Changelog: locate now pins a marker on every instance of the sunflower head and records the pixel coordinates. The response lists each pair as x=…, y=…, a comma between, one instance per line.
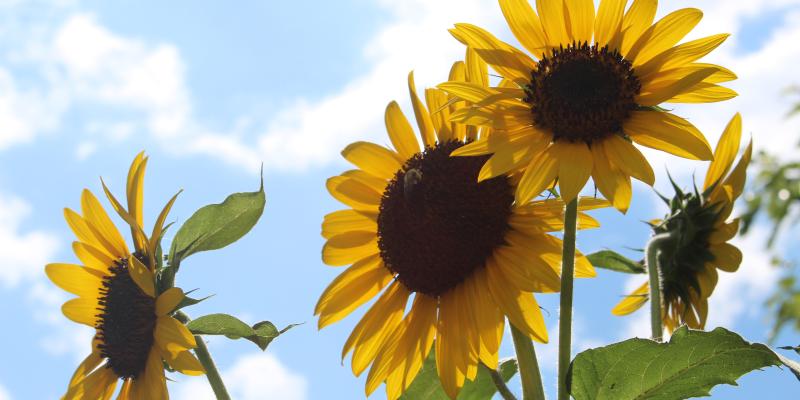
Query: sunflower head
x=588, y=90
x=421, y=225
x=116, y=289
x=699, y=229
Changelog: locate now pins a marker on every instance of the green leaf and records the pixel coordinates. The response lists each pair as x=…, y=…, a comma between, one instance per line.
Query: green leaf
x=188, y=301
x=688, y=366
x=426, y=385
x=218, y=225
x=231, y=327
x=614, y=261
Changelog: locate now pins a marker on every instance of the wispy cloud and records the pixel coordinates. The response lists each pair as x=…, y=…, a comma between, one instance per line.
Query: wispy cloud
x=251, y=377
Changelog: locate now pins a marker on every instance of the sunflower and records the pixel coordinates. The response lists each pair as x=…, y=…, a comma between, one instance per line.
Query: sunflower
x=419, y=225
x=135, y=333
x=699, y=226
x=590, y=89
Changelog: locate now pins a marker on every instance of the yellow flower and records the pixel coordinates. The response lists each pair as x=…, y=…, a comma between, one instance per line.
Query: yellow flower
x=117, y=297
x=591, y=89
x=700, y=230
x=419, y=225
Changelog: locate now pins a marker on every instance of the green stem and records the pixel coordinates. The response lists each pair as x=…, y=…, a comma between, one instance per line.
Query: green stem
x=565, y=317
x=500, y=384
x=530, y=376
x=214, y=378
x=651, y=255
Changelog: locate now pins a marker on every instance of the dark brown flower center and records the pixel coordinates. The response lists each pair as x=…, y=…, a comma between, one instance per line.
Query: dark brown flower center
x=437, y=224
x=126, y=322
x=582, y=93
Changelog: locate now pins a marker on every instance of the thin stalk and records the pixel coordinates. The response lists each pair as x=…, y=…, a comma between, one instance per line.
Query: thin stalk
x=532, y=388
x=214, y=378
x=651, y=255
x=565, y=311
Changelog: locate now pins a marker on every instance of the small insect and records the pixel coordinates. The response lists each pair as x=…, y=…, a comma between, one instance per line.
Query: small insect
x=411, y=182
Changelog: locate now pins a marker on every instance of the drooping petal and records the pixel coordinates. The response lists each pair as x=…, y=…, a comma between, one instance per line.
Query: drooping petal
x=354, y=193
x=724, y=232
x=611, y=181
x=184, y=362
x=172, y=336
x=539, y=175
x=143, y=277
x=727, y=257
x=520, y=307
x=574, y=167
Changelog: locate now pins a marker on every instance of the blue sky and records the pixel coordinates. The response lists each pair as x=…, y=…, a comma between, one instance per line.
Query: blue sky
x=211, y=91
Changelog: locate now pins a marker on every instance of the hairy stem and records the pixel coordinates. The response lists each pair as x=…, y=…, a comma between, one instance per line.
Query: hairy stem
x=565, y=311
x=530, y=376
x=651, y=255
x=201, y=351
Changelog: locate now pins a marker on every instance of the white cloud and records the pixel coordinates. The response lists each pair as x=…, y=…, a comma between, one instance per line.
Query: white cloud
x=4, y=395
x=22, y=254
x=252, y=377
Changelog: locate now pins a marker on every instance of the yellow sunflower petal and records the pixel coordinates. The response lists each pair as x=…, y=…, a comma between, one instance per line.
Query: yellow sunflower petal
x=92, y=257
x=667, y=132
x=727, y=257
x=525, y=25
x=135, y=187
x=440, y=113
x=539, y=175
x=372, y=158
x=520, y=307
x=489, y=321
x=524, y=272
x=153, y=384
x=458, y=73
x=172, y=336
x=725, y=153
x=400, y=132
x=79, y=227
x=349, y=247
x=704, y=93
x=655, y=95
x=580, y=14
x=86, y=367
x=421, y=113
x=352, y=288
x=378, y=322
x=99, y=385
x=184, y=362
x=664, y=34
x=448, y=357
x=574, y=167
x=167, y=301
x=136, y=228
x=724, y=232
x=103, y=229
x=354, y=193
x=608, y=23
x=344, y=221
x=633, y=301
x=74, y=279
x=638, y=18
x=554, y=24
x=738, y=176
x=679, y=56
x=504, y=58
x=477, y=69
x=512, y=156
x=81, y=310
x=143, y=277
x=158, y=227
x=707, y=278
x=625, y=156
x=611, y=181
